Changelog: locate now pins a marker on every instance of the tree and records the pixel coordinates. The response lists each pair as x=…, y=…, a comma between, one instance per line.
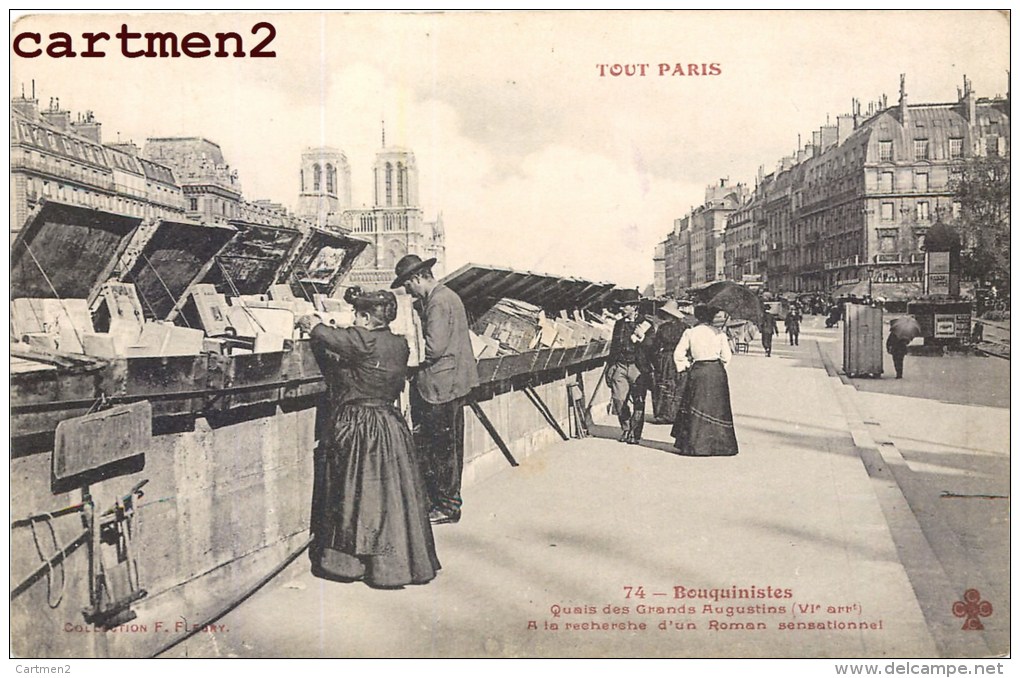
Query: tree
x=983, y=193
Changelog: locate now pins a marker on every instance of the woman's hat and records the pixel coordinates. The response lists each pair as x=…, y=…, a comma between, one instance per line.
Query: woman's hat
x=380, y=303
x=363, y=300
x=672, y=308
x=408, y=266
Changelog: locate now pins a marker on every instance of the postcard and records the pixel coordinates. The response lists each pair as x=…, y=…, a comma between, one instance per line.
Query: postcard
x=511, y=334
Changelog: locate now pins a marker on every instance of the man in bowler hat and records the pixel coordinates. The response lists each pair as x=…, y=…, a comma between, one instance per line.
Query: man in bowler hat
x=444, y=378
x=630, y=373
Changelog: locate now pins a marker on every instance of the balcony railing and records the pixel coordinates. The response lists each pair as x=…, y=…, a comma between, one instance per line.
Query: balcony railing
x=855, y=260
x=64, y=171
x=892, y=258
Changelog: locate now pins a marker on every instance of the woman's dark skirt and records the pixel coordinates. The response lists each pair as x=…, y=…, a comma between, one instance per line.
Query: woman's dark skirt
x=669, y=389
x=371, y=520
x=704, y=424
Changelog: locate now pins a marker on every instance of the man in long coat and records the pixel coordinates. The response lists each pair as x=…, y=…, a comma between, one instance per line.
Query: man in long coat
x=768, y=330
x=444, y=378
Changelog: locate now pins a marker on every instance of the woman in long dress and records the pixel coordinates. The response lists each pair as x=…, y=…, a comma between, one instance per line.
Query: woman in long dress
x=704, y=423
x=370, y=519
x=669, y=385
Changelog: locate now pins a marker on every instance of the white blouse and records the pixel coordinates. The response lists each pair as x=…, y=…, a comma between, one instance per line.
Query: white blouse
x=702, y=342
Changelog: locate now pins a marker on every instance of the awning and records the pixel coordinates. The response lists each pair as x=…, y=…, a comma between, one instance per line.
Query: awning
x=481, y=287
x=889, y=291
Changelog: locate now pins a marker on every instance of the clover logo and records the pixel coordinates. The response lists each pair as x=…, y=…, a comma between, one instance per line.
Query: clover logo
x=973, y=608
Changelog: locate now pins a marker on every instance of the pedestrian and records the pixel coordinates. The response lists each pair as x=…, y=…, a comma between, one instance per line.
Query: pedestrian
x=669, y=384
x=444, y=378
x=897, y=348
x=768, y=330
x=793, y=328
x=704, y=423
x=629, y=371
x=370, y=518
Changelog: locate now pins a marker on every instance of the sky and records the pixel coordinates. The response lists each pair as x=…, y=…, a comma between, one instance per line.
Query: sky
x=536, y=157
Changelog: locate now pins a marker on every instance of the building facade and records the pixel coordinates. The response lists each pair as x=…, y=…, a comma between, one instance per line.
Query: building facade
x=694, y=253
x=742, y=242
x=676, y=258
x=856, y=203
x=53, y=157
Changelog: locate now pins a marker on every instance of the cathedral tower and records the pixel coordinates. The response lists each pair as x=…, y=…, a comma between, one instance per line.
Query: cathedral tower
x=396, y=178
x=325, y=184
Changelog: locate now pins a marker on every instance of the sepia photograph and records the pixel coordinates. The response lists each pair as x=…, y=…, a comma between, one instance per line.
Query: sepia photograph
x=632, y=334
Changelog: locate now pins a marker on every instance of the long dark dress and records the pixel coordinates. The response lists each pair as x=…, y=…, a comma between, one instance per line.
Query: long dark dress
x=669, y=384
x=370, y=520
x=704, y=423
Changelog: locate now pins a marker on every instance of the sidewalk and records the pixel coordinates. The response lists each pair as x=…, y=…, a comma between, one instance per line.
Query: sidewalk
x=941, y=434
x=580, y=523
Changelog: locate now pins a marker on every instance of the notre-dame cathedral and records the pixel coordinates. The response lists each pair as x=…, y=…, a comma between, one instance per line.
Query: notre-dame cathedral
x=393, y=225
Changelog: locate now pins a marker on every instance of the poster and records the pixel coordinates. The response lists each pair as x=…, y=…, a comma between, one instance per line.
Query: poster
x=571, y=144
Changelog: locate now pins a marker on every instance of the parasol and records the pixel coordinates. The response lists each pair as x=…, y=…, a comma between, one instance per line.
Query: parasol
x=905, y=328
x=736, y=300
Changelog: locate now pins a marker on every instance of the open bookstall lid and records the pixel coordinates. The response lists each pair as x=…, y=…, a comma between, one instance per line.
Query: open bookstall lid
x=251, y=262
x=323, y=260
x=67, y=251
x=177, y=255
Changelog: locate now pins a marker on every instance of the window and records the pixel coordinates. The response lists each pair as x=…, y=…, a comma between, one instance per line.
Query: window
x=957, y=208
x=194, y=204
x=389, y=184
x=920, y=149
x=885, y=182
x=956, y=148
x=887, y=211
x=316, y=178
x=330, y=179
x=921, y=182
x=885, y=151
x=401, y=175
x=991, y=145
x=887, y=244
x=922, y=210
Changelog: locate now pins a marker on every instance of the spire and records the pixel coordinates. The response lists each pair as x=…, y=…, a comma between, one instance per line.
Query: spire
x=384, y=132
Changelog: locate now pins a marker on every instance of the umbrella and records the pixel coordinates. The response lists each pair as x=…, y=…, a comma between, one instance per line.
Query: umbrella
x=736, y=300
x=906, y=328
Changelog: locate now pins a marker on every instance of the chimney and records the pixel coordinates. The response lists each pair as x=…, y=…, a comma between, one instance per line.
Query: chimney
x=904, y=111
x=829, y=137
x=55, y=116
x=969, y=101
x=844, y=128
x=28, y=107
x=87, y=127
